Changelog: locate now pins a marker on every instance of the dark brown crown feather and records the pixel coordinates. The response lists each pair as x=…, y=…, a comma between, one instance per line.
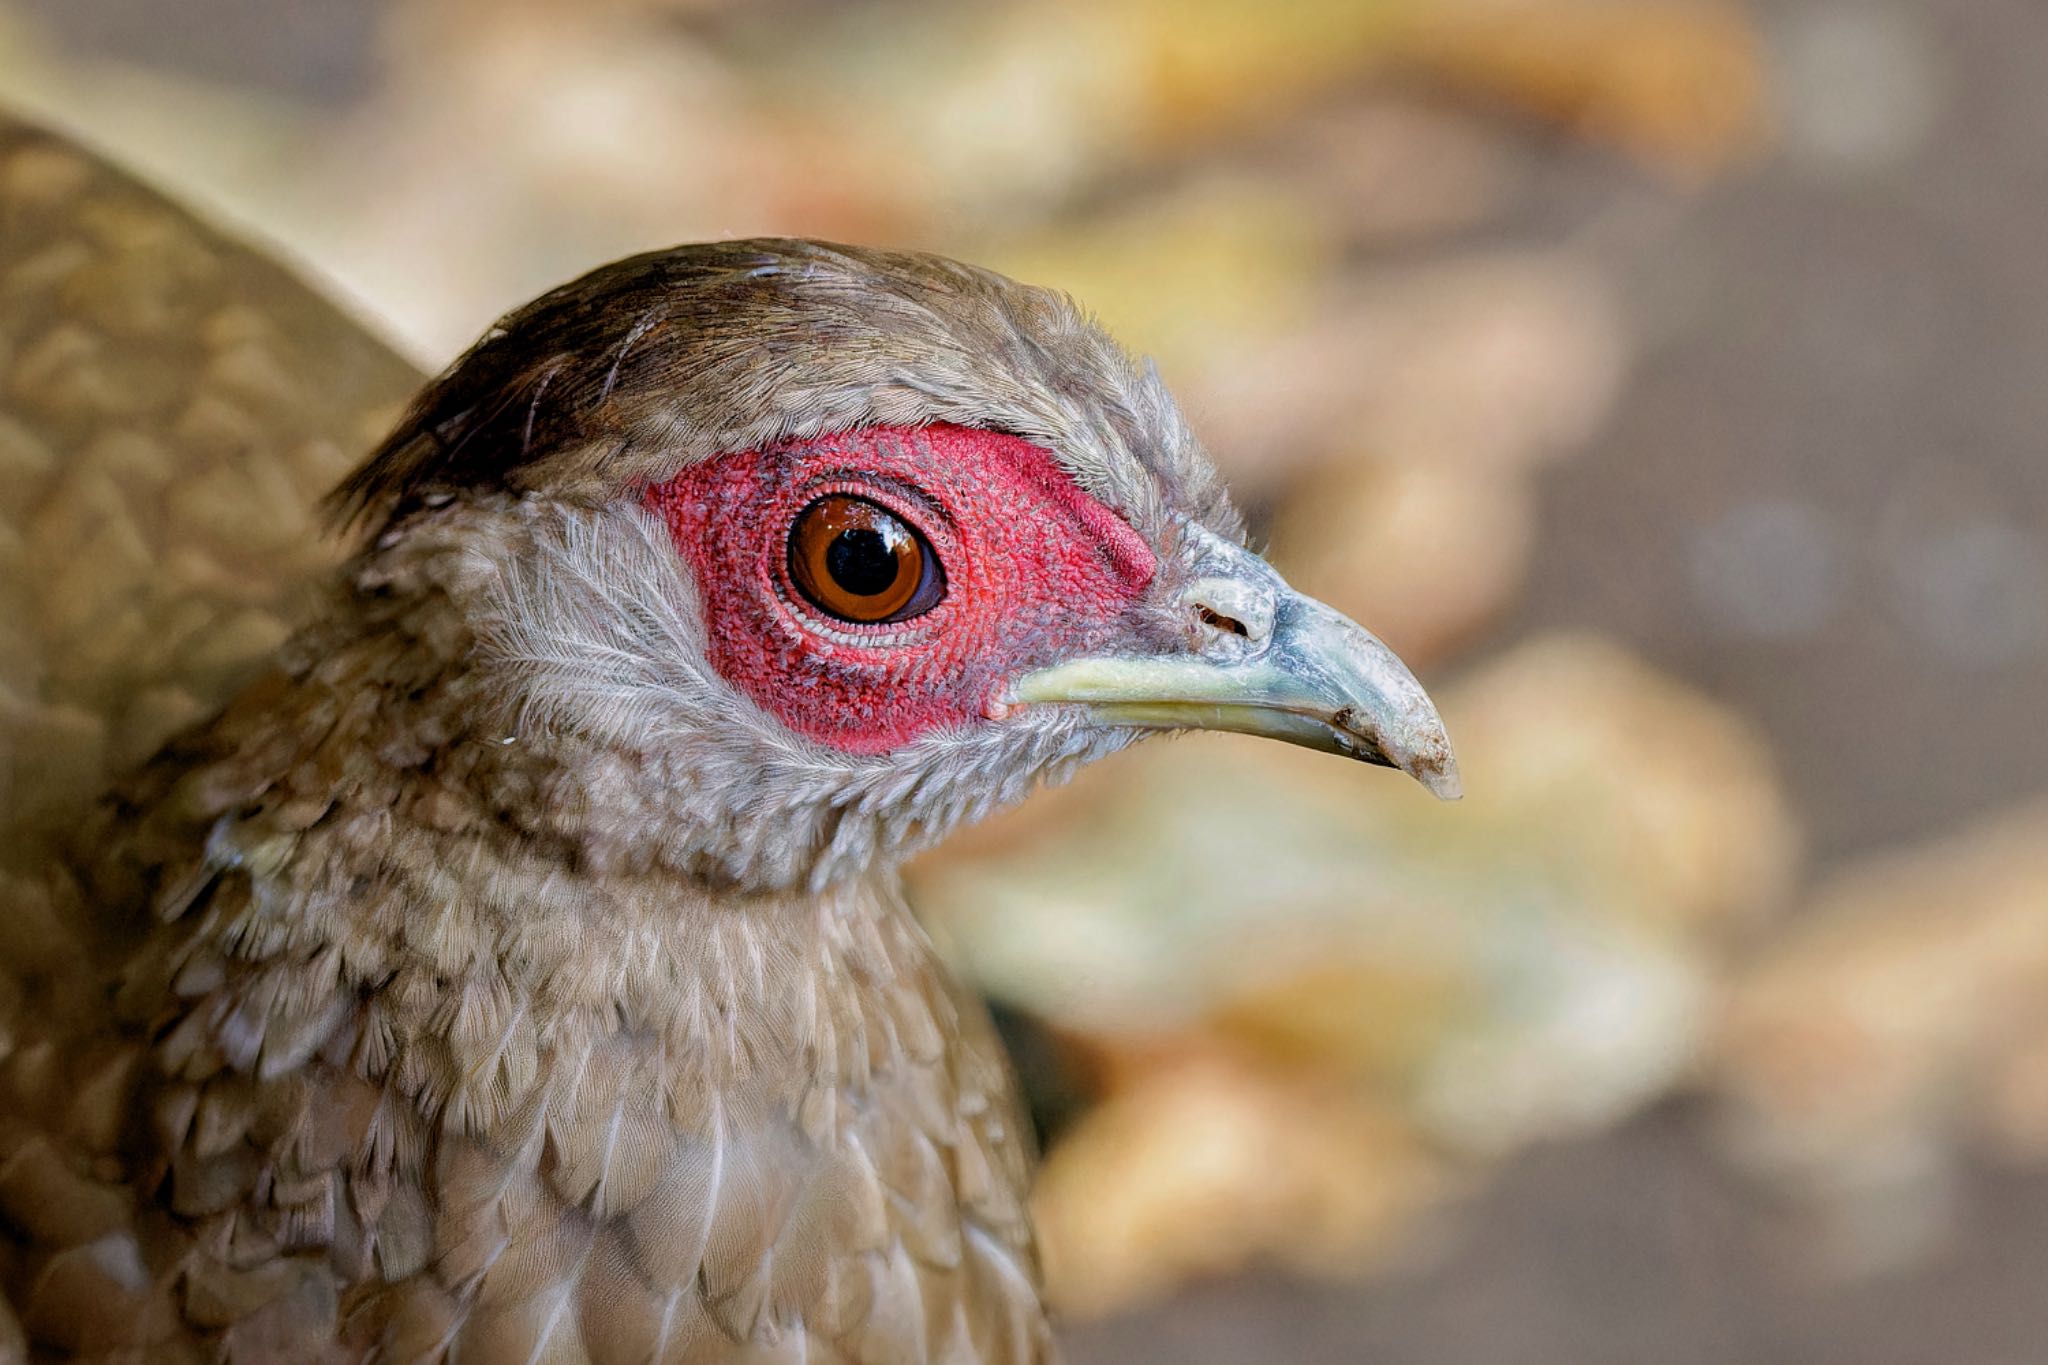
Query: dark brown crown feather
x=651, y=362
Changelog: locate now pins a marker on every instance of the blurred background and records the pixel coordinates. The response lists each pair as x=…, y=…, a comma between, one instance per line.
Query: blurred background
x=1663, y=378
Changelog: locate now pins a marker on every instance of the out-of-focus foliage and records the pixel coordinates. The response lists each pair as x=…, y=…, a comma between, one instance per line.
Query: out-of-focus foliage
x=1206, y=1158
x=1308, y=1010
x=1903, y=1015
x=545, y=134
x=1343, y=967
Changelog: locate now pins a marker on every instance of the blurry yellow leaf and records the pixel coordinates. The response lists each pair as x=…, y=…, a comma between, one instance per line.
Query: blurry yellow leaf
x=1677, y=82
x=1428, y=551
x=1875, y=1017
x=1218, y=263
x=1206, y=1166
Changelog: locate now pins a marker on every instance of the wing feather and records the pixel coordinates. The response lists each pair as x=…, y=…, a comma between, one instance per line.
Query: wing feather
x=172, y=407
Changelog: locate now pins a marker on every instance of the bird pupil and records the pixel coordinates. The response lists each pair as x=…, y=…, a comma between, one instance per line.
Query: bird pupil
x=860, y=561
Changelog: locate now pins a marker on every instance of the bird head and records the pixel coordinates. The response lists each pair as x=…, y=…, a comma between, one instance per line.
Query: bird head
x=809, y=553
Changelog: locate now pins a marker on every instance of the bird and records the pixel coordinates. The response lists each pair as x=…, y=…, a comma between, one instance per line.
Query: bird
x=495, y=950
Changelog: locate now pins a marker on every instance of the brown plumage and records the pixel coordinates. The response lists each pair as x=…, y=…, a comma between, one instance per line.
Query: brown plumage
x=502, y=972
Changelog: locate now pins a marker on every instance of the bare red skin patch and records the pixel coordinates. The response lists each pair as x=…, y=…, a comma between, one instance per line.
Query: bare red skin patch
x=1036, y=570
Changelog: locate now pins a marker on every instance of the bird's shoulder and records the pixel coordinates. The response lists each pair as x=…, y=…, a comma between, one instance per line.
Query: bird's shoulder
x=172, y=406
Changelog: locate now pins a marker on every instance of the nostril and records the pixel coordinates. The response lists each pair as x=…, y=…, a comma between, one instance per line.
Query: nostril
x=1228, y=606
x=1216, y=620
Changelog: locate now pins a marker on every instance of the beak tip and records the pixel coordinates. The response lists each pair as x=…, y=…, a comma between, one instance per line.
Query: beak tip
x=1441, y=778
x=1434, y=764
x=1421, y=748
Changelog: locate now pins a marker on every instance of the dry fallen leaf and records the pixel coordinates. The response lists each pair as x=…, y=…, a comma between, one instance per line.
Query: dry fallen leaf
x=1208, y=1164
x=1902, y=1011
x=1430, y=552
x=1678, y=83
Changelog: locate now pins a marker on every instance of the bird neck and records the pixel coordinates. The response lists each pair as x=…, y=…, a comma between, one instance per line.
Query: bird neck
x=348, y=819
x=382, y=800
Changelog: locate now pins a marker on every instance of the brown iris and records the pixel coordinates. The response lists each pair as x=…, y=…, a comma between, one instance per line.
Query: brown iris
x=860, y=562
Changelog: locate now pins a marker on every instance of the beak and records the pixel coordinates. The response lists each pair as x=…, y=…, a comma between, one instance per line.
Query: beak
x=1293, y=670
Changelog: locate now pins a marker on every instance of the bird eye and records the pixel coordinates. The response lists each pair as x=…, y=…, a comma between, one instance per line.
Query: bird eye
x=858, y=561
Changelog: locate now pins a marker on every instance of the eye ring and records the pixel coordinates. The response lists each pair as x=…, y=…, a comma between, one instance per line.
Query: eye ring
x=857, y=561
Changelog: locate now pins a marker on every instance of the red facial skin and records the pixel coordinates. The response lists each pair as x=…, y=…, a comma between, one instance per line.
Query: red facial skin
x=1036, y=570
